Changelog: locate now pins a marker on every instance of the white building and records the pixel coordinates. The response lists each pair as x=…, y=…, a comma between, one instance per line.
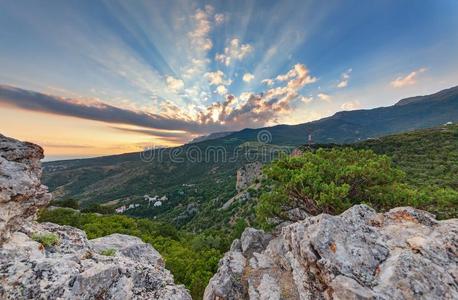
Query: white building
x=121, y=209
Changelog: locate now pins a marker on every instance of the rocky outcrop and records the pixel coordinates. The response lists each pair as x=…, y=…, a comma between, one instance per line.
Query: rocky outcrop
x=401, y=254
x=21, y=191
x=247, y=175
x=49, y=261
x=112, y=267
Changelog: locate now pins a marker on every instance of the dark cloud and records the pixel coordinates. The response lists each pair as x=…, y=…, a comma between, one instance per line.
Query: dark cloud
x=164, y=135
x=34, y=101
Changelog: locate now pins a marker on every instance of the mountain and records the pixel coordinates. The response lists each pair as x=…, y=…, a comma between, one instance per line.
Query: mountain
x=352, y=126
x=211, y=136
x=199, y=178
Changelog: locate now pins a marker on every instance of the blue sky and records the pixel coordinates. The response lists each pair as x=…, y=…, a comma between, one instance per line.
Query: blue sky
x=166, y=71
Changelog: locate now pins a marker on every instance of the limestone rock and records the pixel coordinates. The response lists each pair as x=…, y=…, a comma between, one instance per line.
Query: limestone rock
x=401, y=254
x=75, y=268
x=21, y=192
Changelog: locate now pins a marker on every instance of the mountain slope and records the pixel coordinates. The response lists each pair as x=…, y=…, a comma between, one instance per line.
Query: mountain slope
x=351, y=126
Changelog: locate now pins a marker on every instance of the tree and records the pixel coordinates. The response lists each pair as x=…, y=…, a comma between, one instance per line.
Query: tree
x=330, y=181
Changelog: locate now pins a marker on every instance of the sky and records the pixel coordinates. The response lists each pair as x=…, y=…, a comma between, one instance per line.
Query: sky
x=89, y=78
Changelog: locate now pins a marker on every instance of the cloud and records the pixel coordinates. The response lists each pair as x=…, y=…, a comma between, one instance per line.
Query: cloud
x=351, y=105
x=268, y=81
x=234, y=51
x=174, y=84
x=410, y=79
x=324, y=97
x=200, y=35
x=219, y=19
x=305, y=99
x=301, y=77
x=91, y=110
x=247, y=77
x=344, y=78
x=222, y=90
x=255, y=110
x=297, y=77
x=217, y=78
x=172, y=136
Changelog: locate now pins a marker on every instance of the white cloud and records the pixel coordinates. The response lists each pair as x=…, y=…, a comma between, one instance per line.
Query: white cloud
x=305, y=99
x=247, y=77
x=219, y=19
x=344, y=78
x=351, y=105
x=324, y=97
x=301, y=77
x=222, y=90
x=283, y=77
x=174, y=84
x=268, y=81
x=410, y=79
x=200, y=36
x=217, y=78
x=235, y=51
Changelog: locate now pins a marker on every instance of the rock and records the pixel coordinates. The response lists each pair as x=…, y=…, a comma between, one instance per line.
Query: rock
x=227, y=283
x=68, y=266
x=247, y=175
x=76, y=269
x=253, y=240
x=404, y=253
x=21, y=192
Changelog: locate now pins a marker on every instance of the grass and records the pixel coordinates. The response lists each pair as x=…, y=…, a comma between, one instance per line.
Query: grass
x=108, y=252
x=46, y=239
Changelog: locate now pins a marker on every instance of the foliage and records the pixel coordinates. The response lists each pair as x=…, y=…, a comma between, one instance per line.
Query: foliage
x=108, y=252
x=68, y=202
x=332, y=180
x=46, y=239
x=97, y=208
x=192, y=258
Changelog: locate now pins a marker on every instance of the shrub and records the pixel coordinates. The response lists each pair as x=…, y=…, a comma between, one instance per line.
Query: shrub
x=46, y=239
x=330, y=181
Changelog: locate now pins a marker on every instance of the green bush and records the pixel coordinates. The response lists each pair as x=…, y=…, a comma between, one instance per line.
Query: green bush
x=70, y=203
x=46, y=239
x=330, y=181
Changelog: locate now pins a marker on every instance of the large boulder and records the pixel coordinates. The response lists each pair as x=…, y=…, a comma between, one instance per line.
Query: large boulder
x=401, y=254
x=21, y=191
x=49, y=261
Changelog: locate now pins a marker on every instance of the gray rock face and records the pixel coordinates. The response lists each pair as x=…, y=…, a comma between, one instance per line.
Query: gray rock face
x=402, y=254
x=247, y=175
x=69, y=266
x=76, y=268
x=21, y=192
